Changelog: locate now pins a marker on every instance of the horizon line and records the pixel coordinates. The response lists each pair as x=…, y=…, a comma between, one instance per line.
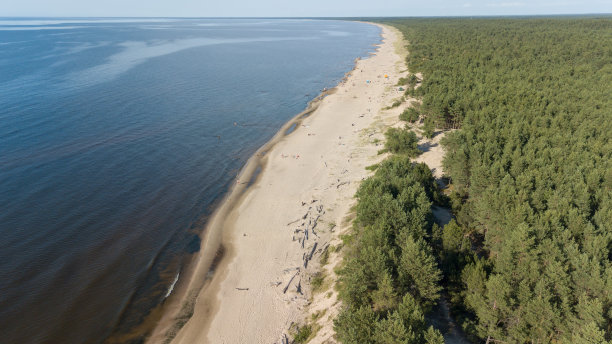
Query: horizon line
x=325, y=17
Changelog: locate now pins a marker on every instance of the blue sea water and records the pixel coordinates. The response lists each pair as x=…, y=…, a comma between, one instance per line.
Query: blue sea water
x=117, y=136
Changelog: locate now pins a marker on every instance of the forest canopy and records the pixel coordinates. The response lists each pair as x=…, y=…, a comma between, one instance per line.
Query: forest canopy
x=528, y=257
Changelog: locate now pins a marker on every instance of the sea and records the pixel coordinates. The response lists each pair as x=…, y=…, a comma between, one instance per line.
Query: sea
x=118, y=136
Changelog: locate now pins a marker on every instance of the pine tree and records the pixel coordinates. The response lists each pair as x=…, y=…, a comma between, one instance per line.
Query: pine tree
x=418, y=272
x=384, y=298
x=393, y=331
x=355, y=326
x=433, y=336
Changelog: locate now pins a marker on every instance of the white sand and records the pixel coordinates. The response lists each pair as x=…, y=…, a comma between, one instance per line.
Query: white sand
x=433, y=153
x=309, y=175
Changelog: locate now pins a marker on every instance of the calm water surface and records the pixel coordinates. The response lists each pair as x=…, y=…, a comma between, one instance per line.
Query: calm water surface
x=117, y=137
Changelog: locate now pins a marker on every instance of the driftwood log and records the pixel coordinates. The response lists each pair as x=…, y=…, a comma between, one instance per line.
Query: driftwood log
x=343, y=183
x=292, y=222
x=299, y=287
x=291, y=280
x=314, y=247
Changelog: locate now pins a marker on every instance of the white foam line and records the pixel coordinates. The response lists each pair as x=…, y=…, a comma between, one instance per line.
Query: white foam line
x=172, y=285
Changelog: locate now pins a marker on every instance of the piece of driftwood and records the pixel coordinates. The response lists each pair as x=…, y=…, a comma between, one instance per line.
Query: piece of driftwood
x=314, y=247
x=343, y=183
x=325, y=247
x=292, y=222
x=316, y=221
x=242, y=288
x=299, y=287
x=291, y=280
x=308, y=257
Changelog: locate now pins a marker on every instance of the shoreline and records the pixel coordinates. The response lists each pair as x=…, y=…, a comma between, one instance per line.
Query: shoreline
x=195, y=298
x=203, y=266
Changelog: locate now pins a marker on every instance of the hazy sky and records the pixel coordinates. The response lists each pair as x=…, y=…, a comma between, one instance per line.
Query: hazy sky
x=296, y=8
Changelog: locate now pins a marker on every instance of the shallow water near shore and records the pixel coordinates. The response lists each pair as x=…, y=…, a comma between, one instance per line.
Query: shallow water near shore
x=117, y=138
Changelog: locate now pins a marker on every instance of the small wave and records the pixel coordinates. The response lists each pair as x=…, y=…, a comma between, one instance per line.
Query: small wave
x=172, y=285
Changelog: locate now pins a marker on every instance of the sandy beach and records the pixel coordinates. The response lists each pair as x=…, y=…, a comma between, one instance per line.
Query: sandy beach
x=289, y=204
